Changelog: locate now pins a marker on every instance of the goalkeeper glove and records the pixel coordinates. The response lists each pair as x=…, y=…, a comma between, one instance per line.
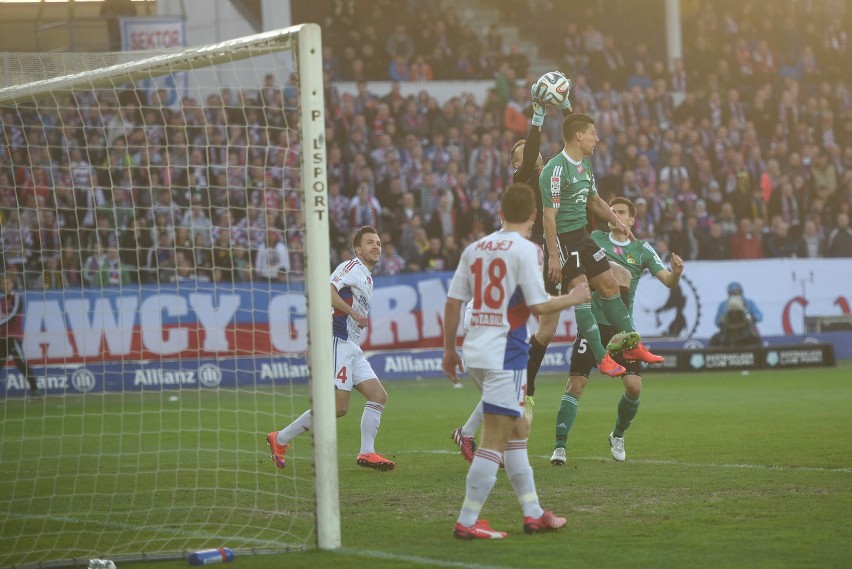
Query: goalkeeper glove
x=566, y=104
x=538, y=113
x=536, y=91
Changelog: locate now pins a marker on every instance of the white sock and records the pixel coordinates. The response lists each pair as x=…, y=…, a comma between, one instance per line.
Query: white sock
x=520, y=473
x=469, y=429
x=480, y=480
x=371, y=418
x=301, y=425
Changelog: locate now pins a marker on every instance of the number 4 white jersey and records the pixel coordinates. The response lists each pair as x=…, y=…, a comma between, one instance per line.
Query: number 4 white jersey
x=502, y=274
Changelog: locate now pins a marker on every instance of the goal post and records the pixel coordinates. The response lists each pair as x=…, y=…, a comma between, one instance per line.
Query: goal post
x=161, y=377
x=314, y=183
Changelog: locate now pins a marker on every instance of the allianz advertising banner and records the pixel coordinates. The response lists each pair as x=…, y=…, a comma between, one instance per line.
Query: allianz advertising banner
x=200, y=335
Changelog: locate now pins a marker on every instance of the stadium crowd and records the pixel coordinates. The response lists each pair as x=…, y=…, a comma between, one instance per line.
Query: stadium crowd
x=742, y=150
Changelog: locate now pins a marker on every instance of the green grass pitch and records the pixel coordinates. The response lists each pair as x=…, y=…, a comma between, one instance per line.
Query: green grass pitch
x=722, y=470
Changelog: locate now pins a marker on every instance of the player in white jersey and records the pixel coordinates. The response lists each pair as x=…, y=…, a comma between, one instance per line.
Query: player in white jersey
x=351, y=291
x=502, y=274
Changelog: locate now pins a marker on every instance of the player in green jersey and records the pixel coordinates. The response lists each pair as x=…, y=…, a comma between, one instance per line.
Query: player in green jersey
x=631, y=258
x=567, y=186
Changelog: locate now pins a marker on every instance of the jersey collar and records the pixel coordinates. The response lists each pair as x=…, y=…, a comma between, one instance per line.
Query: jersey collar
x=569, y=159
x=619, y=243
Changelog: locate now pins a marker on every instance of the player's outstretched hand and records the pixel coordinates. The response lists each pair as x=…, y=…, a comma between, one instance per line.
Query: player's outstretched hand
x=452, y=365
x=534, y=92
x=580, y=294
x=677, y=264
x=539, y=111
x=565, y=106
x=624, y=229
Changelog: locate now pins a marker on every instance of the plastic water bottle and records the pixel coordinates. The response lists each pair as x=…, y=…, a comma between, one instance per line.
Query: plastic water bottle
x=210, y=556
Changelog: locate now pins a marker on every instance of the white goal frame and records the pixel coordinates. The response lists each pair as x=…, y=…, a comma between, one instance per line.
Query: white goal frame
x=306, y=39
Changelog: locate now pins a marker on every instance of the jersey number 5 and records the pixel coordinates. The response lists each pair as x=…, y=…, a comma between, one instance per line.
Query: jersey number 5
x=493, y=293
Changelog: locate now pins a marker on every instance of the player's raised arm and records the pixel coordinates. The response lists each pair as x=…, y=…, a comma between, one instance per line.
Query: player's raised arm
x=578, y=295
x=671, y=278
x=598, y=206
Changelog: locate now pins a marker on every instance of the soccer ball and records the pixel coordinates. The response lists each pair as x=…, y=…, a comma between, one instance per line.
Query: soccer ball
x=552, y=88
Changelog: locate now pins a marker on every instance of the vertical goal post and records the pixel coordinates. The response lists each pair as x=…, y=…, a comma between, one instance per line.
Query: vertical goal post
x=209, y=64
x=315, y=188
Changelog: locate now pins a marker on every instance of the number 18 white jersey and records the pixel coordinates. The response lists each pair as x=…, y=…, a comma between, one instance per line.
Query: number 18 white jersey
x=502, y=274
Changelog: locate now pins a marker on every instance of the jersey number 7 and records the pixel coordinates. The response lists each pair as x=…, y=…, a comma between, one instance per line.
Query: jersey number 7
x=493, y=293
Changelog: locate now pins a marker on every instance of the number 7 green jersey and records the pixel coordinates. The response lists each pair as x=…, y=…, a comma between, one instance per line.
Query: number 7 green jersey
x=567, y=185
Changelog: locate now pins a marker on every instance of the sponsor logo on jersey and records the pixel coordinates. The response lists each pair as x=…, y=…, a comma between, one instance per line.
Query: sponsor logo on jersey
x=600, y=254
x=555, y=193
x=486, y=319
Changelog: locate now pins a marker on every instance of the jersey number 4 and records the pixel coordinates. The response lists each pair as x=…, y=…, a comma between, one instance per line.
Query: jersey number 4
x=492, y=293
x=341, y=375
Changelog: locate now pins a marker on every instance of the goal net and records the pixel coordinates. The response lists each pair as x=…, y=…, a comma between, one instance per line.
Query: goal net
x=163, y=219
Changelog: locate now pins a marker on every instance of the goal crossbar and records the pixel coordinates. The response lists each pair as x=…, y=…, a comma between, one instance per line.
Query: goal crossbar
x=161, y=64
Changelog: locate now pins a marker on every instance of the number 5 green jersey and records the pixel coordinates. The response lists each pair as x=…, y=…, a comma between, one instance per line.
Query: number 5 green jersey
x=635, y=256
x=566, y=185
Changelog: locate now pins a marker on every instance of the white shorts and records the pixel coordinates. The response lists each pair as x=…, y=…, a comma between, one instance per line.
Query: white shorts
x=350, y=365
x=503, y=391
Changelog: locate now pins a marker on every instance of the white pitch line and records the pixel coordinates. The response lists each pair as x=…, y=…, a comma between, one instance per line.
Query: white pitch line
x=428, y=561
x=668, y=462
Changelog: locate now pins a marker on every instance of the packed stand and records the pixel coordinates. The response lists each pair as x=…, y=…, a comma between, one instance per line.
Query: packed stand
x=424, y=40
x=743, y=150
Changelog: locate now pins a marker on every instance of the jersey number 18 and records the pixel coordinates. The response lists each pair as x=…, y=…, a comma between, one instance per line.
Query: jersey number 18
x=493, y=292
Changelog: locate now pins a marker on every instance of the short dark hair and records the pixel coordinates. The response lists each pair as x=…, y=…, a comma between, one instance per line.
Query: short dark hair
x=575, y=123
x=356, y=241
x=517, y=203
x=620, y=200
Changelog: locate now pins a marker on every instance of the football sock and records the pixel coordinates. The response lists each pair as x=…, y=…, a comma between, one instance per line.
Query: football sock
x=589, y=327
x=520, y=473
x=371, y=418
x=565, y=418
x=616, y=313
x=627, y=409
x=480, y=480
x=537, y=350
x=301, y=425
x=472, y=425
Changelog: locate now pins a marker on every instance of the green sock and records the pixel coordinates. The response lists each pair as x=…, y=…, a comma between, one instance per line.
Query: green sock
x=565, y=418
x=627, y=409
x=587, y=324
x=617, y=313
